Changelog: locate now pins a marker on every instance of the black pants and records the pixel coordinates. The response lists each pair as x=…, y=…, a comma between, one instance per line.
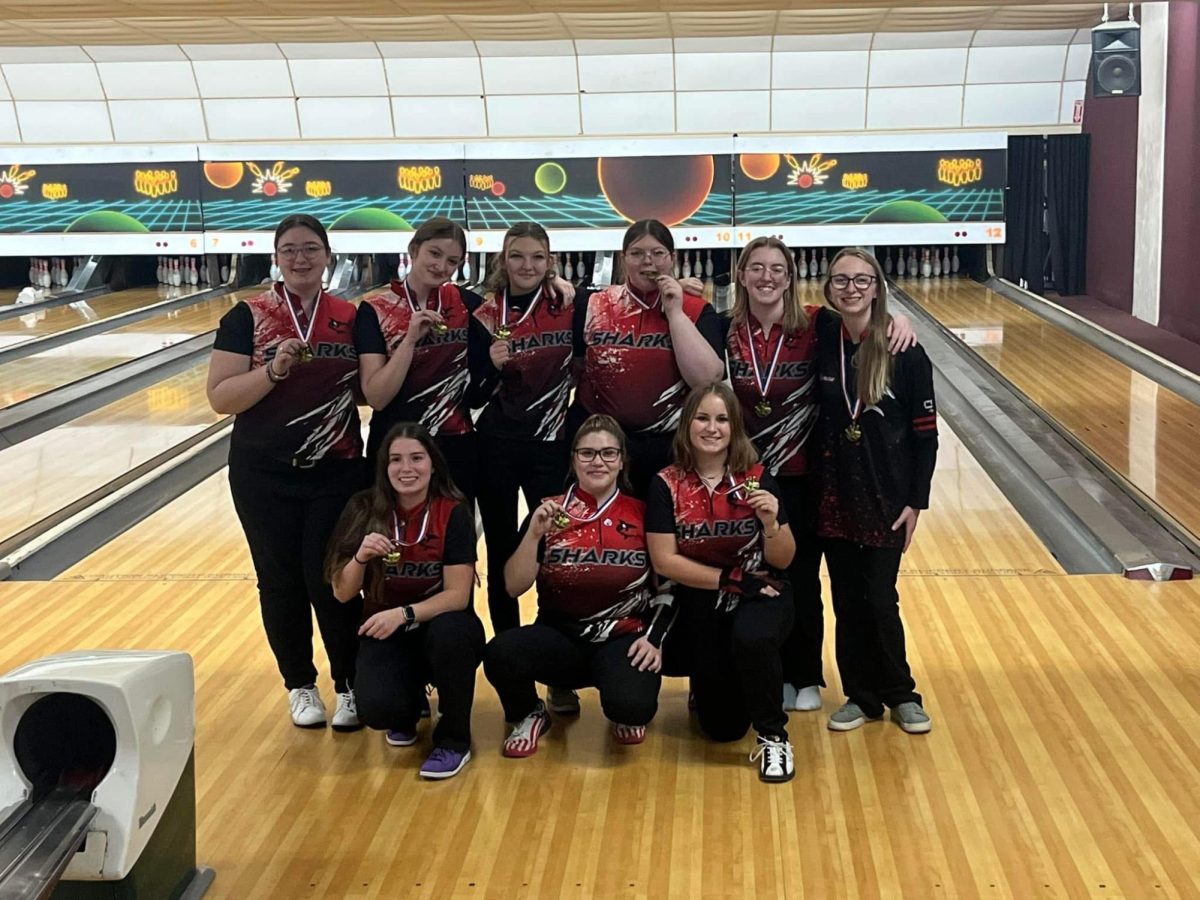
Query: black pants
x=869, y=634
x=288, y=516
x=460, y=450
x=539, y=468
x=802, y=650
x=518, y=658
x=733, y=660
x=392, y=674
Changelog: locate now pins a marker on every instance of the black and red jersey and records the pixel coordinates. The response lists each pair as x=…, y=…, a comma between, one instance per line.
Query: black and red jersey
x=311, y=415
x=594, y=578
x=713, y=526
x=866, y=483
x=449, y=540
x=434, y=392
x=527, y=398
x=629, y=366
x=789, y=361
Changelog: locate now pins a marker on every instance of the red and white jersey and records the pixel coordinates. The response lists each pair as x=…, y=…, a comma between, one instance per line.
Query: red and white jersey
x=789, y=361
x=434, y=392
x=312, y=414
x=449, y=540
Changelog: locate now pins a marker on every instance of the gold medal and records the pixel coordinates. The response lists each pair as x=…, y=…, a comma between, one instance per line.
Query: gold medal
x=503, y=333
x=304, y=354
x=762, y=408
x=441, y=327
x=853, y=432
x=751, y=484
x=393, y=558
x=561, y=520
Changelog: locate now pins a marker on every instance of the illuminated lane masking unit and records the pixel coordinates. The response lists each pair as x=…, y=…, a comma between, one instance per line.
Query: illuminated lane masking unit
x=97, y=777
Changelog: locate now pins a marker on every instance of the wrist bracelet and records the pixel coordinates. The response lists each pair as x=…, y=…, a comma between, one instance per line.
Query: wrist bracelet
x=271, y=376
x=359, y=561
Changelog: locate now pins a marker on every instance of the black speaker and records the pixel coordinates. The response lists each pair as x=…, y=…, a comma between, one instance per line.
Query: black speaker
x=1116, y=66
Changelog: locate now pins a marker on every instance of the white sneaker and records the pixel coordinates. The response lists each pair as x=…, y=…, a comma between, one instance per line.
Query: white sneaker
x=808, y=698
x=776, y=762
x=345, y=716
x=307, y=709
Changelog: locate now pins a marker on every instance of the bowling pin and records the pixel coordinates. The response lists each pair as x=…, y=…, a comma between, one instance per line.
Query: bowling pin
x=899, y=262
x=224, y=271
x=937, y=264
x=466, y=268
x=687, y=265
x=945, y=261
x=568, y=269
x=46, y=282
x=824, y=263
x=954, y=261
x=803, y=267
x=914, y=264
x=32, y=270
x=176, y=273
x=708, y=265
x=926, y=264
x=814, y=268
x=887, y=262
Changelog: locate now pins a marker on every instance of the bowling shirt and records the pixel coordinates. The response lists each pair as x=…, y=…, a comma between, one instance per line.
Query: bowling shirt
x=594, y=580
x=312, y=414
x=866, y=484
x=449, y=541
x=527, y=398
x=782, y=435
x=629, y=367
x=434, y=392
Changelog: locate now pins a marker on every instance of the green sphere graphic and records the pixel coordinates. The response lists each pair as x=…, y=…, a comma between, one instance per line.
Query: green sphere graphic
x=550, y=178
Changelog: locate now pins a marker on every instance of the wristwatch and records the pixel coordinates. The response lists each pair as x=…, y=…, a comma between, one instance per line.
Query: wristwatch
x=410, y=617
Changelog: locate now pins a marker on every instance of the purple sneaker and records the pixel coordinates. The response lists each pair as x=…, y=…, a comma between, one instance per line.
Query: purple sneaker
x=400, y=737
x=444, y=763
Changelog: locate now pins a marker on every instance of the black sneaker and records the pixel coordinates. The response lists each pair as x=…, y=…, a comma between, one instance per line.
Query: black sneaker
x=775, y=761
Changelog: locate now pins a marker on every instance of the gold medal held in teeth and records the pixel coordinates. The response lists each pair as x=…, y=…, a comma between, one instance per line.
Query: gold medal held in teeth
x=853, y=432
x=304, y=354
x=762, y=408
x=393, y=557
x=561, y=520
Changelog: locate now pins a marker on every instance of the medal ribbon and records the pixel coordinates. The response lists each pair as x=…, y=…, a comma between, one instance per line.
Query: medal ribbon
x=528, y=311
x=600, y=510
x=420, y=536
x=763, y=385
x=408, y=297
x=303, y=333
x=636, y=299
x=856, y=410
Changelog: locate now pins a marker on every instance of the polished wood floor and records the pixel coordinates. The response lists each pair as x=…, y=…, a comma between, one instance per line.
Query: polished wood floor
x=1145, y=432
x=1063, y=763
x=24, y=378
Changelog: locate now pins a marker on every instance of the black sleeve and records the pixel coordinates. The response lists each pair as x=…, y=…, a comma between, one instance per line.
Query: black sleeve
x=768, y=483
x=660, y=508
x=470, y=299
x=579, y=320
x=459, y=548
x=235, y=334
x=712, y=326
x=368, y=336
x=918, y=374
x=541, y=547
x=485, y=377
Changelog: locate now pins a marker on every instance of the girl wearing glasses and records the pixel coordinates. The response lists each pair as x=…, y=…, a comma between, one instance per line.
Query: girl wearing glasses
x=408, y=544
x=717, y=529
x=772, y=345
x=878, y=443
x=523, y=387
x=284, y=365
x=599, y=621
x=643, y=344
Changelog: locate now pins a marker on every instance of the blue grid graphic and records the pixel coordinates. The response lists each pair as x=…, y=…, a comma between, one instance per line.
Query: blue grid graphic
x=159, y=215
x=264, y=214
x=565, y=211
x=844, y=207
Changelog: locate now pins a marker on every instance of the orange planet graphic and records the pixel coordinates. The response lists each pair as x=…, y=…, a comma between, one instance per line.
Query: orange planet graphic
x=224, y=175
x=759, y=166
x=667, y=188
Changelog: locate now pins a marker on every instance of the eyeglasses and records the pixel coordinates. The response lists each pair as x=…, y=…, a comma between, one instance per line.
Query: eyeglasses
x=642, y=255
x=756, y=269
x=589, y=454
x=862, y=282
x=291, y=251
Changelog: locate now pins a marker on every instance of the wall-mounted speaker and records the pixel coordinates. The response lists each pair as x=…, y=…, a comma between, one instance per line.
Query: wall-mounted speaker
x=1116, y=63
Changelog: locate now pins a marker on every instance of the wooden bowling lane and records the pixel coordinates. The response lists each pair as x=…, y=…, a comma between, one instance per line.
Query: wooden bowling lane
x=1062, y=763
x=1144, y=431
x=45, y=473
x=40, y=323
x=23, y=378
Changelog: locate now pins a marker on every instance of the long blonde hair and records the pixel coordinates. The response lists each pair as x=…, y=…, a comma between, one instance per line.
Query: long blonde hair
x=873, y=361
x=795, y=317
x=497, y=279
x=742, y=453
